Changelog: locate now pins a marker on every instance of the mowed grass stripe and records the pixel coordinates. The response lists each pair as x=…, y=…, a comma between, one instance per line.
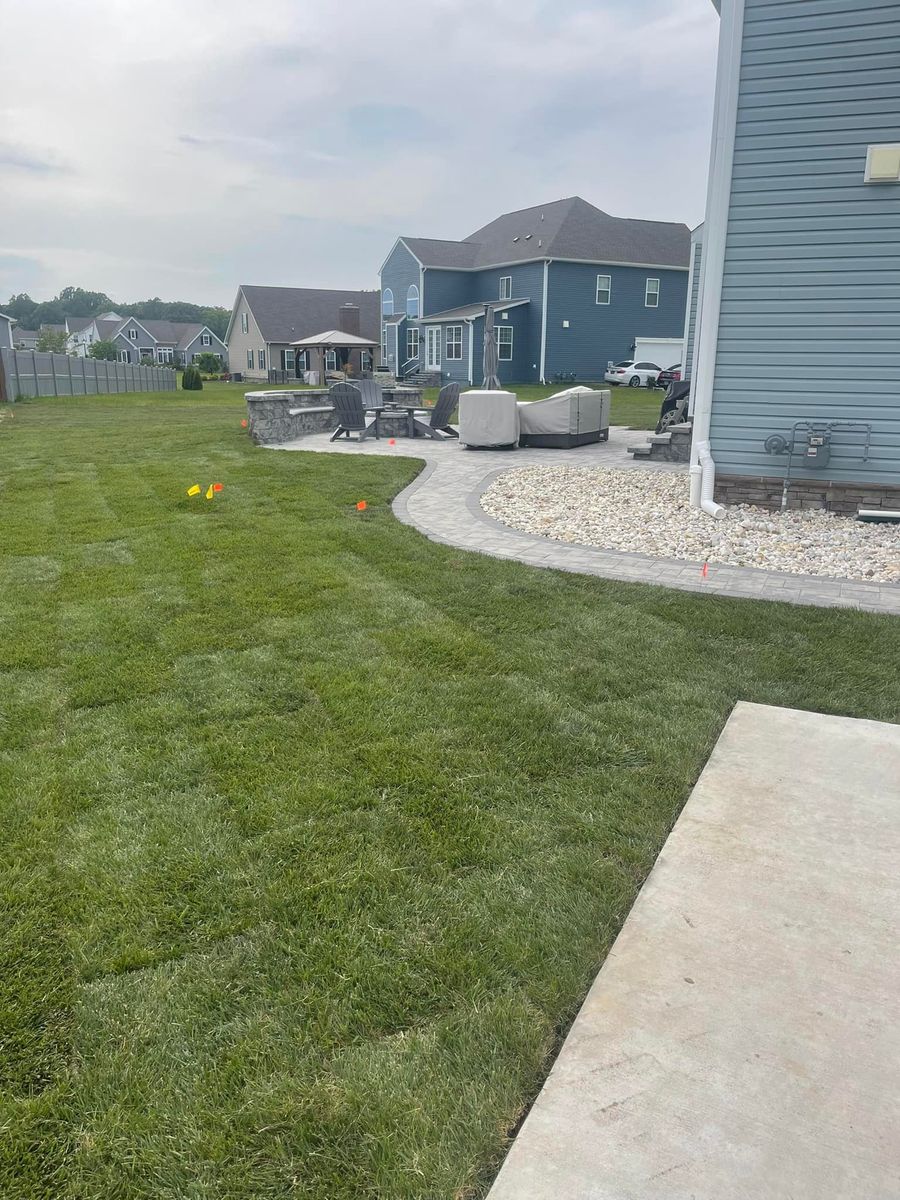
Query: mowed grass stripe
x=315, y=833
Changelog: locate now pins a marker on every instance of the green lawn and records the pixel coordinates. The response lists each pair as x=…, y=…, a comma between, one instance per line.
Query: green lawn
x=314, y=832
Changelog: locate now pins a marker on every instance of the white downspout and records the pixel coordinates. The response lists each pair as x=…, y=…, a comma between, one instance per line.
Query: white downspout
x=544, y=321
x=471, y=353
x=703, y=470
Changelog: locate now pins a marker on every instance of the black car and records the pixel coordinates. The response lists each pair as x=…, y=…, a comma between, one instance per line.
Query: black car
x=668, y=376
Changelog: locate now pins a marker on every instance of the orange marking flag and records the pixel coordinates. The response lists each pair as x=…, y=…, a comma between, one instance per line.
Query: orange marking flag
x=244, y=423
x=705, y=571
x=217, y=487
x=362, y=506
x=195, y=490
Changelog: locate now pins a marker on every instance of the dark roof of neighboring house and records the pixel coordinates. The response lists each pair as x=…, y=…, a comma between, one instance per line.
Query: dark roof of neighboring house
x=286, y=314
x=571, y=229
x=45, y=328
x=178, y=334
x=107, y=329
x=26, y=333
x=77, y=324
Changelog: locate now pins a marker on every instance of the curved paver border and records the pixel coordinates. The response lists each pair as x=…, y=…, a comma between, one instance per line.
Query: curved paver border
x=444, y=503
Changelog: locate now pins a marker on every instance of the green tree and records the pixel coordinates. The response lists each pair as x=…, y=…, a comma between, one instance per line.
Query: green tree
x=191, y=381
x=208, y=363
x=52, y=341
x=103, y=349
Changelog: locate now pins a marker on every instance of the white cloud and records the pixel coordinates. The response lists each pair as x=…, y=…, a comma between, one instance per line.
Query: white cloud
x=176, y=150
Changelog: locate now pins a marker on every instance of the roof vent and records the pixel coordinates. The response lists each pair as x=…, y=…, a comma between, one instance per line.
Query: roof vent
x=540, y=242
x=516, y=238
x=527, y=237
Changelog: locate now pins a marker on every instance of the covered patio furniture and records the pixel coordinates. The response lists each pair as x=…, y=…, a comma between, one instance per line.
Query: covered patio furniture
x=438, y=425
x=488, y=419
x=351, y=413
x=574, y=417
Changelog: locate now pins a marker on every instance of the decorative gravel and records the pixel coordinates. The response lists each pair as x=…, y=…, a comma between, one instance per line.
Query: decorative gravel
x=644, y=512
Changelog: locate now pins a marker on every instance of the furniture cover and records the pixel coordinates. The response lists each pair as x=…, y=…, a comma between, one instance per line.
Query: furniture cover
x=488, y=419
x=571, y=418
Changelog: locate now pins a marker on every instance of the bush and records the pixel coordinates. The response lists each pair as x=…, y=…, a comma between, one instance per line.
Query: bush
x=208, y=363
x=103, y=350
x=191, y=381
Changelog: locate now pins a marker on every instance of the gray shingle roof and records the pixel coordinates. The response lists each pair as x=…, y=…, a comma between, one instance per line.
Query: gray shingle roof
x=286, y=314
x=77, y=324
x=569, y=228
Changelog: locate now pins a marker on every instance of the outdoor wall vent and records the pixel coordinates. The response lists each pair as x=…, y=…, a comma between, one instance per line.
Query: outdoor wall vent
x=565, y=324
x=883, y=164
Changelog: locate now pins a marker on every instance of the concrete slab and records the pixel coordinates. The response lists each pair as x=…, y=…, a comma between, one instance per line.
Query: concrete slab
x=742, y=1040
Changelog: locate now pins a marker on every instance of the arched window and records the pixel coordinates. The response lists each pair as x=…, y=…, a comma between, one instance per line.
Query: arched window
x=387, y=303
x=412, y=302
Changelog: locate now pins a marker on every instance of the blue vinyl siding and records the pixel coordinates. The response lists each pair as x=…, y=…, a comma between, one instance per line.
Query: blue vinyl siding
x=456, y=370
x=599, y=333
x=398, y=273
x=811, y=284
x=519, y=369
x=527, y=284
x=446, y=289
x=693, y=301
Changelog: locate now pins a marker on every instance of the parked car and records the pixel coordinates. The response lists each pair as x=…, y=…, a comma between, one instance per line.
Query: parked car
x=669, y=375
x=634, y=374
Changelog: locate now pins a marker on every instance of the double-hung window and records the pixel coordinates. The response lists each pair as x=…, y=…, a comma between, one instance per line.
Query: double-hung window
x=604, y=289
x=288, y=360
x=506, y=287
x=453, y=342
x=505, y=343
x=205, y=339
x=245, y=323
x=651, y=295
x=412, y=342
x=132, y=333
x=164, y=354
x=261, y=359
x=384, y=343
x=249, y=360
x=330, y=360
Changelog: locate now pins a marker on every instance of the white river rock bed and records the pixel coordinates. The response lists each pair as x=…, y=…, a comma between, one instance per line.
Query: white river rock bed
x=644, y=512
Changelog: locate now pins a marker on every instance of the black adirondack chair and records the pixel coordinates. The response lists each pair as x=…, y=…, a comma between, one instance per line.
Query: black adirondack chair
x=370, y=391
x=439, y=426
x=351, y=413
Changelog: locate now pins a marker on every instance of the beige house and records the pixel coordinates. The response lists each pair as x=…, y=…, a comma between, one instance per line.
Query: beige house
x=267, y=321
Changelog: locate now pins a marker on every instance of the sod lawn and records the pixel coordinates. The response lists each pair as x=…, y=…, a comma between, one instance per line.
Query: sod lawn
x=315, y=833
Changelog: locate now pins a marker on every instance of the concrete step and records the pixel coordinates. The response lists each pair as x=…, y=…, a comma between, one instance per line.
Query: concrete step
x=641, y=451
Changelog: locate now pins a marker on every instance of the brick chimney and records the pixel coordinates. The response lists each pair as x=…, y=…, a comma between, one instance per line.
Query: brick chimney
x=348, y=319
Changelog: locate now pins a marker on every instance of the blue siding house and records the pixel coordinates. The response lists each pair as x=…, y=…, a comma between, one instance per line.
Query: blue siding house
x=570, y=288
x=799, y=318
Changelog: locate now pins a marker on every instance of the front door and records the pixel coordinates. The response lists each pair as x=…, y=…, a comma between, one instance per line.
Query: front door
x=433, y=347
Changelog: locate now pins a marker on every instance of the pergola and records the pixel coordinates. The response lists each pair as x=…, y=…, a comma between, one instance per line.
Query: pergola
x=343, y=345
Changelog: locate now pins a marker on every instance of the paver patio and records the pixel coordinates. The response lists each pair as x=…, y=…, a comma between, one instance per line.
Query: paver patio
x=443, y=503
x=742, y=1038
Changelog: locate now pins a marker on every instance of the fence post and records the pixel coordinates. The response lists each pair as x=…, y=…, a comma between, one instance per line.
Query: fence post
x=37, y=386
x=84, y=376
x=53, y=373
x=71, y=384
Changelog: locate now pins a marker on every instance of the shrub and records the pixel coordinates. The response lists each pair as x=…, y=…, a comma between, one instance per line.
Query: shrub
x=208, y=363
x=191, y=381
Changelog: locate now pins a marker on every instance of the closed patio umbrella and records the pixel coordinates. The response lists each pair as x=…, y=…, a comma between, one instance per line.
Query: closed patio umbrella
x=491, y=361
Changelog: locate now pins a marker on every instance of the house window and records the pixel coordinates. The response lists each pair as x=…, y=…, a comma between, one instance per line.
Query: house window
x=506, y=287
x=288, y=361
x=651, y=296
x=412, y=343
x=387, y=303
x=124, y=356
x=453, y=341
x=604, y=289
x=412, y=302
x=164, y=354
x=261, y=359
x=330, y=360
x=505, y=343
x=132, y=333
x=245, y=324
x=205, y=339
x=249, y=360
x=384, y=343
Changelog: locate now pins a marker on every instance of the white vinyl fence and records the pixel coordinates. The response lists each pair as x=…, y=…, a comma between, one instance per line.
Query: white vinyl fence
x=32, y=373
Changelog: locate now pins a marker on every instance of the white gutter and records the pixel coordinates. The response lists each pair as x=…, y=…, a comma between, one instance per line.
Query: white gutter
x=713, y=263
x=543, y=374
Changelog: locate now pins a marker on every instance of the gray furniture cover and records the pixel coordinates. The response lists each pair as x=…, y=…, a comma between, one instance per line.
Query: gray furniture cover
x=488, y=419
x=571, y=418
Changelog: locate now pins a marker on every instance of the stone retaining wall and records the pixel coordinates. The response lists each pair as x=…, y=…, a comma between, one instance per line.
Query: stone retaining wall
x=764, y=491
x=270, y=419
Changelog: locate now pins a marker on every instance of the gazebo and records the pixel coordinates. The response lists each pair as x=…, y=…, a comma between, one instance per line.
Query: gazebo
x=344, y=346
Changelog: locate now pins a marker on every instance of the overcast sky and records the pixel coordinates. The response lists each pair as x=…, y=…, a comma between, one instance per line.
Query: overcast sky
x=180, y=147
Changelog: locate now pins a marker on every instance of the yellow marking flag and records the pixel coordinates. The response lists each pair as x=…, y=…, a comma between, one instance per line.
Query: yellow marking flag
x=195, y=490
x=209, y=492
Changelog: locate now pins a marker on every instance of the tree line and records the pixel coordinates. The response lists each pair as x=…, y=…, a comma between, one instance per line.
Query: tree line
x=78, y=302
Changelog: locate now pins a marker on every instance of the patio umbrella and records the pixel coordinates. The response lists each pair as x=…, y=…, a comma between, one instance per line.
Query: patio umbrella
x=491, y=381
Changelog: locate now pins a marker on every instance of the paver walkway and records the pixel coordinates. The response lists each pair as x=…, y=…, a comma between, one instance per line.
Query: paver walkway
x=443, y=503
x=742, y=1039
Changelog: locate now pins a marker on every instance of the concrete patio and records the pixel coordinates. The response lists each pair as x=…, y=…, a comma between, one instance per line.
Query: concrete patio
x=742, y=1039
x=443, y=503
